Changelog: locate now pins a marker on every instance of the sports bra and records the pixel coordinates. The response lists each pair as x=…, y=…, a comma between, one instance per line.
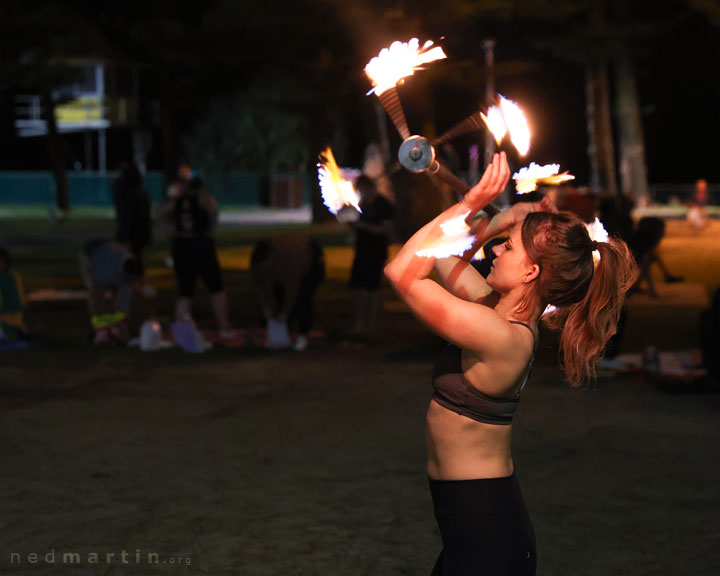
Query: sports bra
x=453, y=391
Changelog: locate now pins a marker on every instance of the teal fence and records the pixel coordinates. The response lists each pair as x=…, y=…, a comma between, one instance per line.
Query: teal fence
x=288, y=189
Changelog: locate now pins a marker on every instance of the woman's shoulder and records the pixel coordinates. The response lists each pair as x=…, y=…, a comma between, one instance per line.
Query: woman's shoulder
x=502, y=339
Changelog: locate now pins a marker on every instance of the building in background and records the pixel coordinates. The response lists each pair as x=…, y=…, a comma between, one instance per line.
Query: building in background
x=101, y=108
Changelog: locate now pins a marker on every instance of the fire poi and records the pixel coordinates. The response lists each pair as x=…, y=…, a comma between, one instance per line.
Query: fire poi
x=456, y=239
x=401, y=60
x=508, y=118
x=528, y=178
x=337, y=192
x=597, y=233
x=393, y=65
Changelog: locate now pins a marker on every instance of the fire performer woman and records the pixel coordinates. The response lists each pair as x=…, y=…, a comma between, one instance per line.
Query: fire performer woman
x=492, y=327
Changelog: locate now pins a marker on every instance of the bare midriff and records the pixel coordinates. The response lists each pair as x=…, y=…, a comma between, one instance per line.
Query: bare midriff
x=460, y=448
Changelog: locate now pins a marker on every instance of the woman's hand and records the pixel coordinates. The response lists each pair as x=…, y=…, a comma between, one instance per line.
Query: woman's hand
x=522, y=209
x=504, y=221
x=491, y=185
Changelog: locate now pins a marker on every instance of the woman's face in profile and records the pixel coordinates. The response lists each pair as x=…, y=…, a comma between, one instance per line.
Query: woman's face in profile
x=510, y=264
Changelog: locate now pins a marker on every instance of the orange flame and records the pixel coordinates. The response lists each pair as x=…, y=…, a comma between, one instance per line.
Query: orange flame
x=480, y=254
x=508, y=117
x=528, y=178
x=517, y=125
x=399, y=61
x=597, y=232
x=495, y=123
x=455, y=241
x=336, y=191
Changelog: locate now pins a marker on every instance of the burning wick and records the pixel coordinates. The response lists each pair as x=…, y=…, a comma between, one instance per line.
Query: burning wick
x=479, y=255
x=495, y=123
x=528, y=178
x=399, y=61
x=506, y=118
x=597, y=233
x=456, y=239
x=337, y=192
x=549, y=309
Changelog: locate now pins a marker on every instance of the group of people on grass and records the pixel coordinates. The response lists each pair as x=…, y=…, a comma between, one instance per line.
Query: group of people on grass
x=286, y=270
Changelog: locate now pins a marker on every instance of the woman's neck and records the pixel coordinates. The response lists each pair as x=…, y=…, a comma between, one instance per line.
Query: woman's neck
x=511, y=306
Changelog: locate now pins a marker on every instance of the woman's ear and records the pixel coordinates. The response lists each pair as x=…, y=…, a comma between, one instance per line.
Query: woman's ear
x=530, y=275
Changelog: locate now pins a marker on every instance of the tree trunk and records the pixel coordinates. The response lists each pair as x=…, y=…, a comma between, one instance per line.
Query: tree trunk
x=633, y=170
x=55, y=153
x=601, y=150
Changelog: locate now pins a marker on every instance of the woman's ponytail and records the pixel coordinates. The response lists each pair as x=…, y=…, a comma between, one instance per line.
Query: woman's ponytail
x=586, y=326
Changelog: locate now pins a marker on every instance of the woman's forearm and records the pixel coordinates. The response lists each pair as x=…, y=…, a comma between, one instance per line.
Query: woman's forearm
x=407, y=266
x=407, y=260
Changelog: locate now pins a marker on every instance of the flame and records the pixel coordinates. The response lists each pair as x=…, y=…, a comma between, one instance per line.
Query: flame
x=508, y=117
x=336, y=191
x=517, y=125
x=399, y=61
x=549, y=309
x=528, y=178
x=455, y=241
x=598, y=233
x=495, y=123
x=479, y=255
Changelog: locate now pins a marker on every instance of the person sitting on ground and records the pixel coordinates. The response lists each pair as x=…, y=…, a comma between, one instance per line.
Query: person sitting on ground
x=644, y=244
x=108, y=266
x=286, y=272
x=12, y=301
x=191, y=219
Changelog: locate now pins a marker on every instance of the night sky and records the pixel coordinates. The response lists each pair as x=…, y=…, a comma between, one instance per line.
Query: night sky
x=677, y=83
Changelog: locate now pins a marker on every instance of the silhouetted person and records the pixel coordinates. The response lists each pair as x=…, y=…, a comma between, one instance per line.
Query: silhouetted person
x=12, y=300
x=710, y=338
x=643, y=239
x=181, y=183
x=108, y=266
x=373, y=231
x=616, y=216
x=286, y=272
x=133, y=219
x=644, y=245
x=192, y=218
x=697, y=213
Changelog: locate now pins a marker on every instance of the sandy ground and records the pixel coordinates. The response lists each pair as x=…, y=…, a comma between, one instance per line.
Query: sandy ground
x=250, y=462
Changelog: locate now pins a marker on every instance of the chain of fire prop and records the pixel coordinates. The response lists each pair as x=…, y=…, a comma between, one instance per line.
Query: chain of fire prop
x=417, y=154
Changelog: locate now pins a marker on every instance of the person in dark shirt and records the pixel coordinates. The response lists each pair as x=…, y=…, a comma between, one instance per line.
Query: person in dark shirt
x=373, y=231
x=191, y=218
x=132, y=212
x=491, y=325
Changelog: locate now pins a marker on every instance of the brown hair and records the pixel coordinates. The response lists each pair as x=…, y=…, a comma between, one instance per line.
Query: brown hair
x=589, y=297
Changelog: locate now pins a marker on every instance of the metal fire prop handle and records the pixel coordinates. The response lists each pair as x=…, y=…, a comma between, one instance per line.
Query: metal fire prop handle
x=391, y=102
x=418, y=155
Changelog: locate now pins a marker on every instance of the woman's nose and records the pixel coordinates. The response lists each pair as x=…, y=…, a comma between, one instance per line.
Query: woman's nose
x=497, y=250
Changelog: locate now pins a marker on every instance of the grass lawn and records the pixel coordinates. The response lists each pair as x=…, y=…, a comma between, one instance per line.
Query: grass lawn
x=244, y=461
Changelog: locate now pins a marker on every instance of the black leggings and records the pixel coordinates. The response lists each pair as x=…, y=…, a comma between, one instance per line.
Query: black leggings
x=485, y=528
